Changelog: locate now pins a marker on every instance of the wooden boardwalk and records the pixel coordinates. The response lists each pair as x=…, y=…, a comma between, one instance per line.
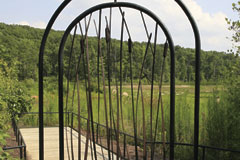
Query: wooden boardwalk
x=51, y=144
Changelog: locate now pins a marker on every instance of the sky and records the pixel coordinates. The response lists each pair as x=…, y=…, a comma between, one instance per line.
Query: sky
x=209, y=15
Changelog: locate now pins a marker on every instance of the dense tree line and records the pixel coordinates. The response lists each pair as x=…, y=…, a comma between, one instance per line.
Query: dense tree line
x=19, y=46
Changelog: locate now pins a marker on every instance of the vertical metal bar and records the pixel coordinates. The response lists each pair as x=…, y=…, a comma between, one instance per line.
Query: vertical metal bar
x=97, y=33
x=139, y=86
x=162, y=109
x=197, y=102
x=18, y=138
x=16, y=135
x=21, y=154
x=25, y=153
x=68, y=119
x=20, y=149
x=160, y=102
x=88, y=109
x=109, y=64
x=172, y=97
x=110, y=131
x=101, y=147
x=72, y=137
x=151, y=101
x=86, y=85
x=203, y=154
x=79, y=120
x=90, y=97
x=41, y=53
x=61, y=121
x=129, y=35
x=100, y=55
x=97, y=132
x=99, y=50
x=105, y=98
x=117, y=95
x=68, y=83
x=98, y=78
x=91, y=148
x=82, y=46
x=120, y=78
x=112, y=123
x=124, y=142
x=197, y=75
x=78, y=96
x=144, y=127
x=172, y=107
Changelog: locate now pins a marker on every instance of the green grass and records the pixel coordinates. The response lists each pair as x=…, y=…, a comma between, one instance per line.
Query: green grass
x=184, y=110
x=184, y=104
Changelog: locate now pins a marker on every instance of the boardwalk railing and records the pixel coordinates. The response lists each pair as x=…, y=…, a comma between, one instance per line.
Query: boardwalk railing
x=20, y=141
x=127, y=139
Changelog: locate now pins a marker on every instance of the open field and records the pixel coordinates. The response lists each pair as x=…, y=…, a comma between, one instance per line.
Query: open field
x=184, y=111
x=184, y=98
x=183, y=115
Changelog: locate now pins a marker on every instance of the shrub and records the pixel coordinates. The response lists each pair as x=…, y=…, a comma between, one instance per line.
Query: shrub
x=223, y=123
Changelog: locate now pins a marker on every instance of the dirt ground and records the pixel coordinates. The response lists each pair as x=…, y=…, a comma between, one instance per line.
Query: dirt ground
x=11, y=142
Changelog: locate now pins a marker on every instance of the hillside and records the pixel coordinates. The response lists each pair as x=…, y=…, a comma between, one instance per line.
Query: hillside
x=19, y=46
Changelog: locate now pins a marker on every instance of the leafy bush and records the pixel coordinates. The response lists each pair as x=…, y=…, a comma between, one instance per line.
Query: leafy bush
x=223, y=122
x=14, y=100
x=13, y=95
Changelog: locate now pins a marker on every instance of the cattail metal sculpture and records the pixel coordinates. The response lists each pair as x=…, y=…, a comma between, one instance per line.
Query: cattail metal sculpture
x=115, y=64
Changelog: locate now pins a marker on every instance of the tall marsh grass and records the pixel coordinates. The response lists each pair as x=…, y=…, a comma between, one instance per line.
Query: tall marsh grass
x=223, y=122
x=217, y=120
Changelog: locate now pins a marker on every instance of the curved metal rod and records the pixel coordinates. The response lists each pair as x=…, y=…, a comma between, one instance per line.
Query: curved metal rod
x=171, y=47
x=41, y=54
x=197, y=75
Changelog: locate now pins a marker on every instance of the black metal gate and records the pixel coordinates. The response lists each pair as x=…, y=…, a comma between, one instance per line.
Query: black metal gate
x=108, y=71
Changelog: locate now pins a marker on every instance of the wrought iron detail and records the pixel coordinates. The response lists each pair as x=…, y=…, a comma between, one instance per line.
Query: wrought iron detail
x=106, y=70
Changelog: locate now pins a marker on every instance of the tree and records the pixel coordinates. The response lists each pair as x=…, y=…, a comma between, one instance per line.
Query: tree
x=234, y=25
x=14, y=97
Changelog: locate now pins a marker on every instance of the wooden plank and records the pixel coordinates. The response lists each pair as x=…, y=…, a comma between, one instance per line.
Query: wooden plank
x=51, y=144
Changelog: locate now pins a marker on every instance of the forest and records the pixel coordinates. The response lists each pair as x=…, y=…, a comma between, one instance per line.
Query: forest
x=19, y=47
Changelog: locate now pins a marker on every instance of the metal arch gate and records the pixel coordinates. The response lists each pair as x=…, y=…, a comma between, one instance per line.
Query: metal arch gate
x=172, y=72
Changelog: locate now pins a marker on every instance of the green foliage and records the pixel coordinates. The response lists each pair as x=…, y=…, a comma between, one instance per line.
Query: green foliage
x=3, y=155
x=14, y=97
x=18, y=102
x=223, y=123
x=7, y=81
x=234, y=26
x=19, y=46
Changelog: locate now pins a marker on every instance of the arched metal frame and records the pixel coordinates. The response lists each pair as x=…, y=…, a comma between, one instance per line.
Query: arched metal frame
x=40, y=75
x=197, y=76
x=172, y=85
x=171, y=47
